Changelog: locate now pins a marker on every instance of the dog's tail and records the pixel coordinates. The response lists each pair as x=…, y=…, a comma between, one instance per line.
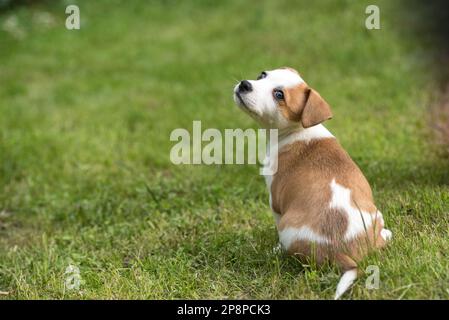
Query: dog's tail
x=349, y=266
x=346, y=280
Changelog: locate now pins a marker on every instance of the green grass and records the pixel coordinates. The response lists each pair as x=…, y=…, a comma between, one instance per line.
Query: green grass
x=85, y=175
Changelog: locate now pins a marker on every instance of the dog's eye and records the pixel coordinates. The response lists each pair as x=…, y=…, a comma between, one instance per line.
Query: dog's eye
x=262, y=75
x=278, y=94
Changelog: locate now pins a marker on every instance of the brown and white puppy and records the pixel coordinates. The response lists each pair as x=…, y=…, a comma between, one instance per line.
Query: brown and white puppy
x=321, y=201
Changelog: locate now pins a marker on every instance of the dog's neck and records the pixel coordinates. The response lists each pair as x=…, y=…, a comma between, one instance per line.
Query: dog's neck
x=298, y=133
x=288, y=136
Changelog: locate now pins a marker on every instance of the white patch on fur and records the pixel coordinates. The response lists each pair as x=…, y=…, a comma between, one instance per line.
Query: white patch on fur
x=358, y=220
x=269, y=181
x=345, y=282
x=386, y=234
x=289, y=235
x=276, y=216
x=304, y=134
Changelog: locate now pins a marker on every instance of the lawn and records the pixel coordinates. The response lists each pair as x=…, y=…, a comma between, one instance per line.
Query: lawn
x=85, y=174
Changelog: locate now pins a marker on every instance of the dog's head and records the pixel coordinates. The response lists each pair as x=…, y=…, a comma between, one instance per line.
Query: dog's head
x=280, y=99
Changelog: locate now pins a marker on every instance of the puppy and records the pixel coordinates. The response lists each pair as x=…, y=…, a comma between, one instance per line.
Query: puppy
x=322, y=203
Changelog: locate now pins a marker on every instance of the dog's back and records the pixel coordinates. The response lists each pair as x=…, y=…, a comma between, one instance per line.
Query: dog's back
x=326, y=207
x=325, y=203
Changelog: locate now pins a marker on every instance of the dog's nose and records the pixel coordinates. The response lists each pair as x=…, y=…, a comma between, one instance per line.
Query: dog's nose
x=245, y=86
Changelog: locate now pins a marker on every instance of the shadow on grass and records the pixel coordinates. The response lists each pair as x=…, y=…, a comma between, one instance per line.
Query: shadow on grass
x=428, y=21
x=246, y=254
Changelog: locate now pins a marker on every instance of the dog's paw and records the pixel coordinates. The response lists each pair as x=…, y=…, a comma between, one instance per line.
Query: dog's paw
x=386, y=234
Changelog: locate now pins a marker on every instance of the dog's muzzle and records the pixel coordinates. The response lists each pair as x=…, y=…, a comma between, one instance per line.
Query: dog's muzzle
x=245, y=86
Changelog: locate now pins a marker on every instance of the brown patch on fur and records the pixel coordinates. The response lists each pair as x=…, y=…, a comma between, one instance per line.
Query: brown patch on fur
x=315, y=111
x=304, y=104
x=301, y=193
x=295, y=99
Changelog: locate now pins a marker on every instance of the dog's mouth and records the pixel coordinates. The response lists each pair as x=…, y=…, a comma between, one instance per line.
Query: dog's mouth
x=244, y=106
x=241, y=100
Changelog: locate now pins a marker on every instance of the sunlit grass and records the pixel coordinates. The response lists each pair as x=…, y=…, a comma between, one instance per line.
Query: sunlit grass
x=85, y=176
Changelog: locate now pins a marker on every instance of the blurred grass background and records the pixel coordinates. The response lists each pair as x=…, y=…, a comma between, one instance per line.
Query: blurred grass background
x=85, y=119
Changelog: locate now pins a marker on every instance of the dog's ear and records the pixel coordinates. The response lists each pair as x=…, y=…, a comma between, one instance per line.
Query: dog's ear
x=315, y=110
